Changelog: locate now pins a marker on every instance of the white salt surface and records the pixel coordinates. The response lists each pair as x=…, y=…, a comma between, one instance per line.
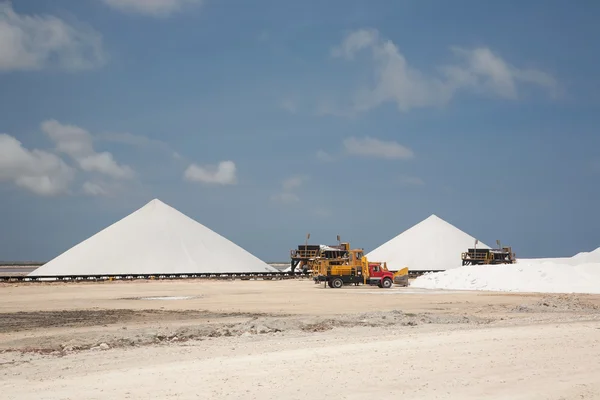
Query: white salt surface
x=431, y=245
x=156, y=239
x=577, y=274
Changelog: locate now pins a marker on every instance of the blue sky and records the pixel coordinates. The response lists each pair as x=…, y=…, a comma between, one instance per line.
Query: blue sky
x=269, y=119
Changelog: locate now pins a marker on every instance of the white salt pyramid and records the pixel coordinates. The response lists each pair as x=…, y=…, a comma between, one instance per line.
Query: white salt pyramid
x=155, y=239
x=431, y=245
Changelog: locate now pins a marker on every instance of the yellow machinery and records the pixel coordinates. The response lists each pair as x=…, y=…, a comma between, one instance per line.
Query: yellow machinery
x=501, y=255
x=305, y=256
x=346, y=266
x=401, y=277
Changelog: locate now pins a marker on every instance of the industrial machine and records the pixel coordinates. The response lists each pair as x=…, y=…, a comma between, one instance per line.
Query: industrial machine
x=501, y=255
x=360, y=271
x=339, y=265
x=303, y=257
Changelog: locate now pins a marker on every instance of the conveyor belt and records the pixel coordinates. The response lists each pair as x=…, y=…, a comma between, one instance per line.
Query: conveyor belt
x=129, y=277
x=133, y=277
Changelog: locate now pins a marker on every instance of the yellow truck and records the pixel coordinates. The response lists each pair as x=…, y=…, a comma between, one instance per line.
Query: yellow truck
x=339, y=265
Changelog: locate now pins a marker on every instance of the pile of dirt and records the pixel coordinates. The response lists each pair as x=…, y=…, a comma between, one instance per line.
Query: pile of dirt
x=200, y=328
x=390, y=318
x=23, y=321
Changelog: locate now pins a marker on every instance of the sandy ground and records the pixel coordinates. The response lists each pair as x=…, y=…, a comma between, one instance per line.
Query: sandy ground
x=293, y=340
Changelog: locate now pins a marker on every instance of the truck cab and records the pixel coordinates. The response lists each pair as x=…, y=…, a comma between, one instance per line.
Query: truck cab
x=379, y=275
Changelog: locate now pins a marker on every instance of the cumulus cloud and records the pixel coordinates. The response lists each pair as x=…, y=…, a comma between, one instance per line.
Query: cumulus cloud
x=485, y=71
x=76, y=142
x=478, y=69
x=371, y=147
x=154, y=8
x=222, y=174
x=30, y=42
x=38, y=171
x=355, y=42
x=93, y=189
x=288, y=187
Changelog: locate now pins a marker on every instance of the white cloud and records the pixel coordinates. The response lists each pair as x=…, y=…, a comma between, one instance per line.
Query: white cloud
x=155, y=8
x=487, y=72
x=104, y=163
x=371, y=147
x=395, y=79
x=223, y=174
x=93, y=189
x=77, y=143
x=38, y=171
x=479, y=70
x=34, y=42
x=139, y=141
x=324, y=156
x=287, y=195
x=355, y=42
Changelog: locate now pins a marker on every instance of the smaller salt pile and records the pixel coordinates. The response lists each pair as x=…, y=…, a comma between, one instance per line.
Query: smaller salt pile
x=577, y=274
x=431, y=245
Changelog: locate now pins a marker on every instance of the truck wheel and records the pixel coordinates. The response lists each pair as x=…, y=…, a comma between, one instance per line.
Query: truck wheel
x=337, y=283
x=387, y=283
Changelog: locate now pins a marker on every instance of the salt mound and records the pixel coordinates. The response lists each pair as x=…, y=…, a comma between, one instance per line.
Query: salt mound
x=521, y=277
x=584, y=257
x=431, y=245
x=155, y=239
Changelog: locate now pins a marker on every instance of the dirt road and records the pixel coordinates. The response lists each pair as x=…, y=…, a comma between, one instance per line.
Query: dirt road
x=293, y=340
x=554, y=361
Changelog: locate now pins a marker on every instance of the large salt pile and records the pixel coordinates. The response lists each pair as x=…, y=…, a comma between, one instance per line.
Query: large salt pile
x=577, y=274
x=431, y=245
x=155, y=239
